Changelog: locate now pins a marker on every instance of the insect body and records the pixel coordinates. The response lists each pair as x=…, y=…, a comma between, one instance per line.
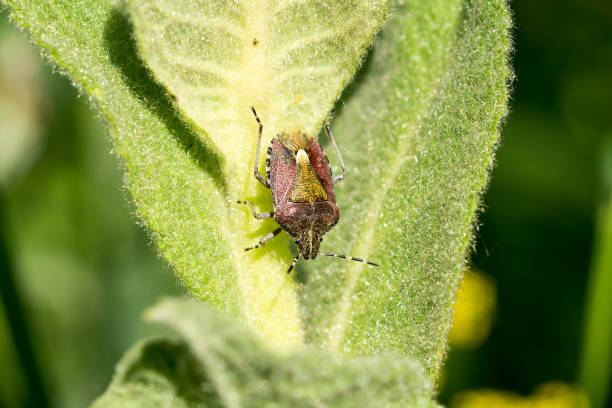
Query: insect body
x=300, y=179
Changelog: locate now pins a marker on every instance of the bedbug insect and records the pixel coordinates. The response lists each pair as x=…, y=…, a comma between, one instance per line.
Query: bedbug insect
x=302, y=186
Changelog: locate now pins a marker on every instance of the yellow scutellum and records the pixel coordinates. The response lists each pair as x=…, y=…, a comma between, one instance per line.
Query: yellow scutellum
x=306, y=187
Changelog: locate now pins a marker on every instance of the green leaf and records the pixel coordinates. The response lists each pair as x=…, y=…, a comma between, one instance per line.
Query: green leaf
x=217, y=363
x=288, y=59
x=595, y=372
x=185, y=183
x=417, y=130
x=174, y=178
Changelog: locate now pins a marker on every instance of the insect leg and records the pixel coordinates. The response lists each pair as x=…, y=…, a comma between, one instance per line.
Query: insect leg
x=350, y=258
x=259, y=216
x=265, y=238
x=293, y=262
x=328, y=131
x=256, y=172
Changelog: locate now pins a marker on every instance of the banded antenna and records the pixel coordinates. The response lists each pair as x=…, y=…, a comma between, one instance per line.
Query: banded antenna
x=351, y=258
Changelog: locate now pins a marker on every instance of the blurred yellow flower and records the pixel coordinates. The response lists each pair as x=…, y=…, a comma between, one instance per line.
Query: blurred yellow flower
x=474, y=310
x=547, y=395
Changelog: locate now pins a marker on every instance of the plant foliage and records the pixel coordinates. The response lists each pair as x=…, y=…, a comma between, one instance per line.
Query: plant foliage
x=175, y=81
x=217, y=363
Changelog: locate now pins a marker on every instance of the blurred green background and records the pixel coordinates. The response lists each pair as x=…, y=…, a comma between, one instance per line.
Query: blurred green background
x=83, y=270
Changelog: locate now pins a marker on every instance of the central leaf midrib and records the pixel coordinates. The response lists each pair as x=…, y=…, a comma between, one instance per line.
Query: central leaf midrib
x=284, y=328
x=257, y=57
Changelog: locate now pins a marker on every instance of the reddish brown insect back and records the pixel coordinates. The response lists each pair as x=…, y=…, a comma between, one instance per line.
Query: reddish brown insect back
x=302, y=192
x=300, y=179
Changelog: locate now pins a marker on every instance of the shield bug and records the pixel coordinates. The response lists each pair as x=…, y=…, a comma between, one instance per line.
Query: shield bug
x=302, y=186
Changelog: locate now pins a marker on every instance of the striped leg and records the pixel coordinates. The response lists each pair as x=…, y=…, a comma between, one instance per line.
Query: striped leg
x=256, y=172
x=265, y=239
x=259, y=216
x=328, y=131
x=350, y=258
x=293, y=263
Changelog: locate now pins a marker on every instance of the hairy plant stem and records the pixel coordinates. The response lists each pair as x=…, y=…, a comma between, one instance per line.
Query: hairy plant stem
x=594, y=376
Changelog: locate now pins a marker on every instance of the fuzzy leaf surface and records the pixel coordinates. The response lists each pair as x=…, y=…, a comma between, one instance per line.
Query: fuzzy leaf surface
x=217, y=59
x=417, y=130
x=217, y=363
x=290, y=60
